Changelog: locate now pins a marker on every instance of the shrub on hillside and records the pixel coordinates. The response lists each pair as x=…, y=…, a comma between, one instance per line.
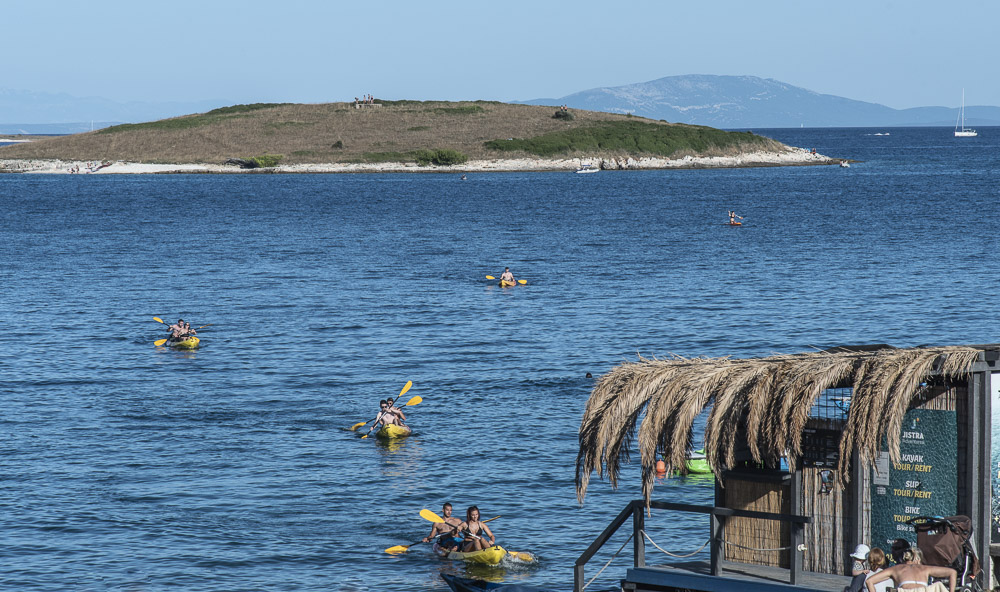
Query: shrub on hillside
x=267, y=160
x=442, y=157
x=560, y=114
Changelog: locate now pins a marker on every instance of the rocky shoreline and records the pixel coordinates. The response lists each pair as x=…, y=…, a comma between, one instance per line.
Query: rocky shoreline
x=790, y=157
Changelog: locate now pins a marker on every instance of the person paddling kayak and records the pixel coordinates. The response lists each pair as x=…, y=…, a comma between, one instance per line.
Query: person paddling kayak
x=507, y=277
x=733, y=217
x=482, y=537
x=450, y=539
x=386, y=418
x=180, y=330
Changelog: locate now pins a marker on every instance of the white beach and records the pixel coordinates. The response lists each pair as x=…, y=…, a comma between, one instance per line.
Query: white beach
x=791, y=157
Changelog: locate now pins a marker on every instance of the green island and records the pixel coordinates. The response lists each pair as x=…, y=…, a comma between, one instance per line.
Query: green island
x=421, y=132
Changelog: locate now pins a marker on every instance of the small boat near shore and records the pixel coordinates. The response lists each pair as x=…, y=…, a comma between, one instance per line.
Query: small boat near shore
x=587, y=168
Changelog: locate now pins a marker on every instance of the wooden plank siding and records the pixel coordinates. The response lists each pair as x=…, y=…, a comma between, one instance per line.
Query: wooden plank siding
x=755, y=533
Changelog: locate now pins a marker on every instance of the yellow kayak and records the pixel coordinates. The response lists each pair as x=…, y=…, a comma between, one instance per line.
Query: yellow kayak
x=189, y=342
x=506, y=284
x=491, y=556
x=388, y=432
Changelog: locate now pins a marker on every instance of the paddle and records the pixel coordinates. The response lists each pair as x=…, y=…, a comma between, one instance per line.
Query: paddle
x=431, y=516
x=403, y=548
x=522, y=282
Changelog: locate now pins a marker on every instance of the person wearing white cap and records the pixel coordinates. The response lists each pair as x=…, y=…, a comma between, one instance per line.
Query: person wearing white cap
x=860, y=569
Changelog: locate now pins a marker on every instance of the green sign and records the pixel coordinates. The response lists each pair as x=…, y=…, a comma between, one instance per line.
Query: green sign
x=922, y=483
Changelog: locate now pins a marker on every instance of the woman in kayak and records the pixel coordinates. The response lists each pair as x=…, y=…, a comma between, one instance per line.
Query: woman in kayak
x=479, y=531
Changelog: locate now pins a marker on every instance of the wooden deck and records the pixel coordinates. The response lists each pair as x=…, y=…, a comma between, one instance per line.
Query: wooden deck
x=736, y=577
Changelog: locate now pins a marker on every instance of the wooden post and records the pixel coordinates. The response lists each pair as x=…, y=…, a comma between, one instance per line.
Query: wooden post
x=978, y=450
x=795, y=508
x=715, y=526
x=638, y=525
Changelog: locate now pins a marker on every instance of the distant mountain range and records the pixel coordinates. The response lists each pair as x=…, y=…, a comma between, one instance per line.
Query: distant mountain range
x=60, y=113
x=727, y=102
x=741, y=102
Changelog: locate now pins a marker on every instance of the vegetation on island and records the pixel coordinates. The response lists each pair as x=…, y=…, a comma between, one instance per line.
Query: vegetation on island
x=425, y=133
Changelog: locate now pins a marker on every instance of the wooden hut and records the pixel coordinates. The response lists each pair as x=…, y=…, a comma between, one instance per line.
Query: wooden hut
x=854, y=441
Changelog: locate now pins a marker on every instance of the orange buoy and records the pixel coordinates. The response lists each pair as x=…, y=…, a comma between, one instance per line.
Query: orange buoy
x=661, y=467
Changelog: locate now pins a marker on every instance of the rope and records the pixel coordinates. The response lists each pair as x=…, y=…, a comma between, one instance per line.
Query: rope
x=608, y=563
x=725, y=542
x=671, y=554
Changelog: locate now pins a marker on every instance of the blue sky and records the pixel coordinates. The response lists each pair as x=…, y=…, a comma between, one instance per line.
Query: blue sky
x=898, y=53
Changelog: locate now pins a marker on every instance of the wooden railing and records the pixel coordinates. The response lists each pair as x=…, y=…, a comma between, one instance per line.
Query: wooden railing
x=717, y=517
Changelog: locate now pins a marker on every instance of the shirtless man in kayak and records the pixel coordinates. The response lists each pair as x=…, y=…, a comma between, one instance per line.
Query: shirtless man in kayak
x=507, y=276
x=386, y=417
x=400, y=416
x=448, y=530
x=482, y=537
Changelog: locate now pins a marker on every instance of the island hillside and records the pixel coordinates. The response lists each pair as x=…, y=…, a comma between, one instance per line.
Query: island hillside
x=426, y=132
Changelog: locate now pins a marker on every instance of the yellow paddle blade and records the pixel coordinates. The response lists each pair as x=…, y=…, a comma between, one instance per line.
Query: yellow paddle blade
x=365, y=436
x=522, y=556
x=397, y=549
x=522, y=282
x=428, y=515
x=159, y=342
x=414, y=401
x=489, y=277
x=355, y=427
x=409, y=383
x=158, y=320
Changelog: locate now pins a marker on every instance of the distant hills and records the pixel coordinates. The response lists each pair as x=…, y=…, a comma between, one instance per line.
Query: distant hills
x=60, y=113
x=742, y=102
x=727, y=102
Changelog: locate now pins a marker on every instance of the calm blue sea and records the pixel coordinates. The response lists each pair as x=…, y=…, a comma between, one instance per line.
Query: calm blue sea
x=124, y=466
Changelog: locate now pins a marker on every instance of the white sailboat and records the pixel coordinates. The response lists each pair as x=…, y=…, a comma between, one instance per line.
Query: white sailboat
x=961, y=132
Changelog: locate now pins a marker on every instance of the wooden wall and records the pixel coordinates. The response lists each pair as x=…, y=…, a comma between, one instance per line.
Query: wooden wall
x=755, y=533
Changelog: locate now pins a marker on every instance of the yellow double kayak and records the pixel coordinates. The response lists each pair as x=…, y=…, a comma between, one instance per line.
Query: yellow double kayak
x=506, y=284
x=388, y=432
x=189, y=342
x=491, y=556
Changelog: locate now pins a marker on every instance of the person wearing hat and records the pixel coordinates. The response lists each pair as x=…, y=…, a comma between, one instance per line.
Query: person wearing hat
x=860, y=569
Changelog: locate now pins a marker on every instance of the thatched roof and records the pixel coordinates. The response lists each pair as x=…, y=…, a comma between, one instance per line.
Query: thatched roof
x=765, y=400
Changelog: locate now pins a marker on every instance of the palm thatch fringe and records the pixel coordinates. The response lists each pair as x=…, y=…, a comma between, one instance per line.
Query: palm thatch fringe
x=764, y=402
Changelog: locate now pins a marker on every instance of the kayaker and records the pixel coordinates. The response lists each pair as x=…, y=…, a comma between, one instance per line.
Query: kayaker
x=400, y=416
x=507, y=276
x=733, y=217
x=450, y=539
x=386, y=417
x=178, y=329
x=481, y=536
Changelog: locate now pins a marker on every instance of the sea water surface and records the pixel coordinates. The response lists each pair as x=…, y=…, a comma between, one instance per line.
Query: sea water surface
x=124, y=466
